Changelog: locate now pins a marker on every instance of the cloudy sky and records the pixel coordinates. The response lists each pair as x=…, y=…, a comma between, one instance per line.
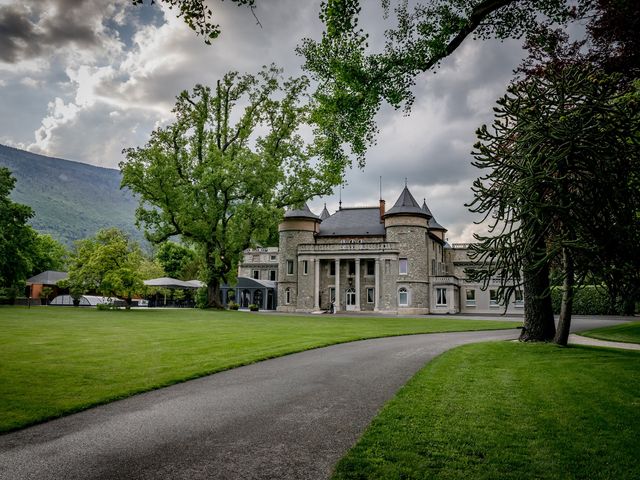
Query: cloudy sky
x=83, y=79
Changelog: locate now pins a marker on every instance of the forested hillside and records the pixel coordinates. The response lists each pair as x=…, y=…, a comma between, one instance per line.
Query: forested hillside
x=71, y=200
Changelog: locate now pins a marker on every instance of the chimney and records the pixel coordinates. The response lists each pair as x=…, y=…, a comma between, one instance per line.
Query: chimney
x=381, y=211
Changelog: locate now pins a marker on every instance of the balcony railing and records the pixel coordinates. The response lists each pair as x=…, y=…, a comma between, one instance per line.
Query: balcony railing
x=348, y=247
x=444, y=279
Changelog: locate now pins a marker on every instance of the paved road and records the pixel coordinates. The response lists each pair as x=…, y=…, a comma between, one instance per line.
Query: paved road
x=288, y=418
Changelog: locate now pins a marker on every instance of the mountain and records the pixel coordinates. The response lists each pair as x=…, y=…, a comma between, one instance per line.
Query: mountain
x=71, y=200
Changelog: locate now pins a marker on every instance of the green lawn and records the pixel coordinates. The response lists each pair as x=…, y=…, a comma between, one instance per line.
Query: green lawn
x=56, y=360
x=627, y=332
x=509, y=411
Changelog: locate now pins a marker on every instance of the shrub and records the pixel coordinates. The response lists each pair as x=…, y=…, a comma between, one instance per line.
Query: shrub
x=233, y=306
x=202, y=298
x=587, y=300
x=253, y=307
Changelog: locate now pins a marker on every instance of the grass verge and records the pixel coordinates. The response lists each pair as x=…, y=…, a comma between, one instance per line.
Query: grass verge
x=56, y=360
x=627, y=332
x=509, y=411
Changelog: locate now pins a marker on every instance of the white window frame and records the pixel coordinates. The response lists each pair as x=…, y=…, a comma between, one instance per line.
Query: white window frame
x=373, y=295
x=441, y=294
x=405, y=262
x=287, y=296
x=305, y=267
x=403, y=291
x=470, y=302
x=332, y=294
x=289, y=267
x=518, y=302
x=493, y=302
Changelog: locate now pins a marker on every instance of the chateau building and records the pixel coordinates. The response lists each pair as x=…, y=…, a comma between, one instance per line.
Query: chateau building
x=367, y=259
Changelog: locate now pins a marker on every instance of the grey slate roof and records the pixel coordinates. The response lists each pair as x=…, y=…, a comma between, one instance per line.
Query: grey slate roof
x=50, y=277
x=406, y=205
x=325, y=213
x=303, y=212
x=433, y=224
x=352, y=221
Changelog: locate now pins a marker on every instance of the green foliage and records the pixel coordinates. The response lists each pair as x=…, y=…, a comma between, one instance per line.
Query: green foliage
x=233, y=306
x=589, y=300
x=202, y=298
x=507, y=410
x=106, y=306
x=16, y=238
x=212, y=179
x=108, y=263
x=177, y=260
x=198, y=16
x=253, y=307
x=47, y=254
x=354, y=81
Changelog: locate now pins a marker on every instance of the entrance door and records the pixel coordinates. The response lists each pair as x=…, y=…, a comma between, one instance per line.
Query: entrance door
x=350, y=297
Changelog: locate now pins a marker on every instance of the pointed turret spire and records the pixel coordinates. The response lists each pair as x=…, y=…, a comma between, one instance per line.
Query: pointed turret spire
x=406, y=205
x=325, y=213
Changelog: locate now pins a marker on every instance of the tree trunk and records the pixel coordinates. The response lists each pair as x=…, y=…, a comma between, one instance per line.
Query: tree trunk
x=539, y=325
x=213, y=293
x=564, y=324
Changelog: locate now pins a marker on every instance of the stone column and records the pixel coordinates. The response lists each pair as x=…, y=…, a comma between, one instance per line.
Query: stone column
x=358, y=284
x=376, y=292
x=337, y=286
x=316, y=287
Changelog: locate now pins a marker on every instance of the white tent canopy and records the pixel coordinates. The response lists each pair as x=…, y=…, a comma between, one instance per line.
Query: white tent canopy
x=85, y=300
x=167, y=282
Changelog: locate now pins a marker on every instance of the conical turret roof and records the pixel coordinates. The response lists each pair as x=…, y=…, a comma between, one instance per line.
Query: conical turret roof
x=406, y=205
x=325, y=213
x=433, y=224
x=302, y=212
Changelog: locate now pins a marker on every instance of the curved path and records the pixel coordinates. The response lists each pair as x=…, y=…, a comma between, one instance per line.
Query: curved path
x=288, y=418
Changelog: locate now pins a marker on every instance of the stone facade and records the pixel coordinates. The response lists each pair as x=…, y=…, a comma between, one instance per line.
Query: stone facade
x=370, y=260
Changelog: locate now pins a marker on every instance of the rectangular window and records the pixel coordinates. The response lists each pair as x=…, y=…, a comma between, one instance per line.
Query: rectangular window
x=441, y=297
x=287, y=296
x=371, y=267
x=352, y=267
x=493, y=298
x=289, y=267
x=433, y=267
x=332, y=294
x=404, y=266
x=256, y=274
x=370, y=295
x=305, y=267
x=273, y=258
x=471, y=297
x=403, y=297
x=332, y=268
x=519, y=298
x=272, y=275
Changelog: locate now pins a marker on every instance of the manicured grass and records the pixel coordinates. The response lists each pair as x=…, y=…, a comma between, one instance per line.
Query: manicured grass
x=56, y=360
x=509, y=411
x=627, y=332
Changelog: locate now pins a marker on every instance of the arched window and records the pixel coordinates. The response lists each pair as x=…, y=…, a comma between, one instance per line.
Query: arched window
x=287, y=296
x=403, y=297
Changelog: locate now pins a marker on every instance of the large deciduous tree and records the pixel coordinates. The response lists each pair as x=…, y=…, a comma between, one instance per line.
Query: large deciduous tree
x=16, y=237
x=563, y=163
x=108, y=263
x=220, y=175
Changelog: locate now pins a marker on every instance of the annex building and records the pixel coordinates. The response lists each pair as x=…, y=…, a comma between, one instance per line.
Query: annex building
x=368, y=259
